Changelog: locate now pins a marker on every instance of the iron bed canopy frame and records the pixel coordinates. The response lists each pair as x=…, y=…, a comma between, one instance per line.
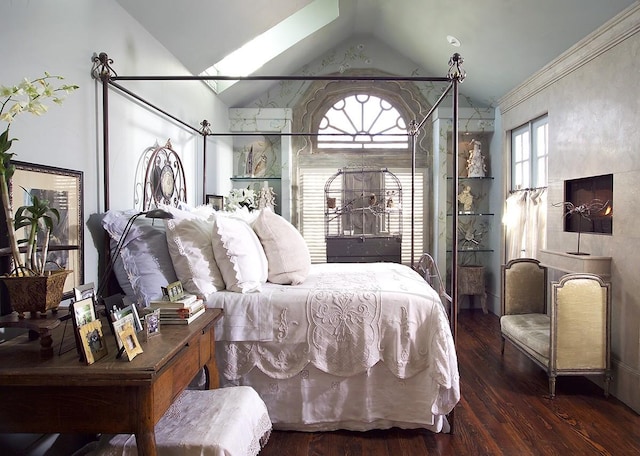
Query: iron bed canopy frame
x=102, y=70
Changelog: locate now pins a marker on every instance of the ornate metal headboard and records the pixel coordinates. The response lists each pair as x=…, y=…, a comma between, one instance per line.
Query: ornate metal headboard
x=164, y=180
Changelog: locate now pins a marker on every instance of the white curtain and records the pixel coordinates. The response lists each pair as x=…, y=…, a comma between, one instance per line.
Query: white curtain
x=525, y=220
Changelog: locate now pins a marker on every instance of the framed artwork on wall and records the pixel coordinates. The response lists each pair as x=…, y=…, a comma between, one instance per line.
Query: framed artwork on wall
x=63, y=189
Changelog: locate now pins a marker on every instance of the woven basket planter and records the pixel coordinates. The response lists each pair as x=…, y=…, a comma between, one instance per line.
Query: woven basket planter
x=35, y=293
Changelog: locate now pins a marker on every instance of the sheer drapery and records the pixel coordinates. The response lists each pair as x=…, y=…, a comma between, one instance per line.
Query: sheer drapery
x=525, y=221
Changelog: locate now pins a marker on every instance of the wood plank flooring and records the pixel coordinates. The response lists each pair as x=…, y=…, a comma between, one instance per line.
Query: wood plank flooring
x=505, y=410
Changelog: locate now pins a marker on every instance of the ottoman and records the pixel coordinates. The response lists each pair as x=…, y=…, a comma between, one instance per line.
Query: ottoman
x=229, y=421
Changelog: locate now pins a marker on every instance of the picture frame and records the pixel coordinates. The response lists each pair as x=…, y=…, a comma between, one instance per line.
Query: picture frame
x=83, y=312
x=152, y=324
x=126, y=310
x=118, y=325
x=173, y=291
x=94, y=345
x=131, y=345
x=63, y=188
x=84, y=291
x=216, y=201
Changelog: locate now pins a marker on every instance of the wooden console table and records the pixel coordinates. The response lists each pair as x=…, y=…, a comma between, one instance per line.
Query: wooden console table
x=62, y=394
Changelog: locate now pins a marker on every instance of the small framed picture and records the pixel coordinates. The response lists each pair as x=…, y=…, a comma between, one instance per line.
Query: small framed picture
x=118, y=314
x=84, y=291
x=94, y=346
x=173, y=291
x=129, y=340
x=152, y=323
x=117, y=327
x=83, y=312
x=216, y=201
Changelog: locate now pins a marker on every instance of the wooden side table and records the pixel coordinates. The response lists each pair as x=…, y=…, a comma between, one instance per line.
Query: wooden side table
x=471, y=283
x=114, y=396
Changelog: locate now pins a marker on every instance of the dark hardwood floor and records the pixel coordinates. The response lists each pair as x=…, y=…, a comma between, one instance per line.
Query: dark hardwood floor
x=505, y=410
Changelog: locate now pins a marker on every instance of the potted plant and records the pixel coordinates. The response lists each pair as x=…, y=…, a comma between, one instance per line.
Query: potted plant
x=28, y=276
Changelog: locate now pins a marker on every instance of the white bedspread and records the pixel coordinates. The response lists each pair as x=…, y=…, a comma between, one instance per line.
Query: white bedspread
x=342, y=320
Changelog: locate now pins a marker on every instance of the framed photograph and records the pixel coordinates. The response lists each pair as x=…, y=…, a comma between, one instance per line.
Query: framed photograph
x=217, y=201
x=83, y=312
x=94, y=347
x=131, y=309
x=63, y=189
x=84, y=291
x=173, y=291
x=117, y=326
x=152, y=323
x=127, y=335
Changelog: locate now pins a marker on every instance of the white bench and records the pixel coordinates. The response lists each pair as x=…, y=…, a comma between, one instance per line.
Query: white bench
x=222, y=422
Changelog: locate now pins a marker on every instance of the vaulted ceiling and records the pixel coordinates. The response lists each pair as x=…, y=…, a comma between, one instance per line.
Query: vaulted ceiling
x=502, y=41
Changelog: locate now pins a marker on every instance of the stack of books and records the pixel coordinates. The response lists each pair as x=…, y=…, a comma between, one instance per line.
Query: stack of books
x=180, y=311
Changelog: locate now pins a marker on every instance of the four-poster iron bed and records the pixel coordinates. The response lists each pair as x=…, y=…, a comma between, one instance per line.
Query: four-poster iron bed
x=348, y=346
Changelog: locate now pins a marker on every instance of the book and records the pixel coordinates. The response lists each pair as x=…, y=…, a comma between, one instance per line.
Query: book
x=181, y=321
x=167, y=313
x=183, y=302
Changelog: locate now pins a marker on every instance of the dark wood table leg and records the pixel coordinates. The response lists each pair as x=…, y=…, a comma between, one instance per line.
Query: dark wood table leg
x=146, y=442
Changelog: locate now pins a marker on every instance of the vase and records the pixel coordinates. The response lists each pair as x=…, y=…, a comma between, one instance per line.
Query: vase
x=36, y=293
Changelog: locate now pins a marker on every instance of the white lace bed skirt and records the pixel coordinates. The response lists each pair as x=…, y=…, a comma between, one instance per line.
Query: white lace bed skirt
x=316, y=401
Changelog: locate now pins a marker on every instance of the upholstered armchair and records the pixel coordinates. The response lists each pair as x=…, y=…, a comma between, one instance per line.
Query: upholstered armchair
x=573, y=338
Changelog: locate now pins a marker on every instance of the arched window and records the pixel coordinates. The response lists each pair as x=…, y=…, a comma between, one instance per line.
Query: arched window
x=362, y=121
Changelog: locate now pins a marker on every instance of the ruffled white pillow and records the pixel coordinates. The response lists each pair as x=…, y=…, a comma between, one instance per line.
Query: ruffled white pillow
x=286, y=250
x=239, y=254
x=189, y=242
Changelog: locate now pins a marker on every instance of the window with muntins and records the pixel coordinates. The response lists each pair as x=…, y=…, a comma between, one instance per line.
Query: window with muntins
x=362, y=121
x=529, y=154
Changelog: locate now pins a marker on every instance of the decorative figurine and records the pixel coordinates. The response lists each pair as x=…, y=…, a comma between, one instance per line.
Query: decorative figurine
x=466, y=198
x=475, y=163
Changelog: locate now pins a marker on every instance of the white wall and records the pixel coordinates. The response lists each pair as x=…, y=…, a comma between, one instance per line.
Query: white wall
x=61, y=37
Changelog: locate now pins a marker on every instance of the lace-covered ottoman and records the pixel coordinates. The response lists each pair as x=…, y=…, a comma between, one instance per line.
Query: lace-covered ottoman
x=223, y=422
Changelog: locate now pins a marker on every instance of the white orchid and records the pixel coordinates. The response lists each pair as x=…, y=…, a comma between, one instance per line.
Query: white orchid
x=241, y=197
x=27, y=96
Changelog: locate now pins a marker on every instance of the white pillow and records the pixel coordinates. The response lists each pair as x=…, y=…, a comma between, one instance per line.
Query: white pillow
x=189, y=242
x=239, y=254
x=144, y=265
x=286, y=251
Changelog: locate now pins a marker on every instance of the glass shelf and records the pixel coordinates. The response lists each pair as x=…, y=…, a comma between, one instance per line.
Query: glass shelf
x=472, y=214
x=249, y=178
x=472, y=250
x=472, y=178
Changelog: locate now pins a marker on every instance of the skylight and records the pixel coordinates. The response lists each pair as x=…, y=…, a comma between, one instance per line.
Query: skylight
x=263, y=48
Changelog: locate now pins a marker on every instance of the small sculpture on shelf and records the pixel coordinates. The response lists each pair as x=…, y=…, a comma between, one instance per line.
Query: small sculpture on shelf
x=585, y=211
x=466, y=199
x=475, y=163
x=249, y=163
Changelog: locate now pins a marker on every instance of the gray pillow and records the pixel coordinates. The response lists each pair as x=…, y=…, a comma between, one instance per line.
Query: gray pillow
x=144, y=265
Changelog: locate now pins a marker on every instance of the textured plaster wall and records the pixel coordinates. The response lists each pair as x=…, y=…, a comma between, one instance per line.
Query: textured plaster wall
x=593, y=130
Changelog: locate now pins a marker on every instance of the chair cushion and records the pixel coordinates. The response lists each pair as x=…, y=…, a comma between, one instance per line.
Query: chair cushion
x=530, y=331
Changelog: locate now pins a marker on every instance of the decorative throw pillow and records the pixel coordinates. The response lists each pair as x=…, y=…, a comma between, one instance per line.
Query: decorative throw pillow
x=189, y=242
x=239, y=254
x=286, y=250
x=144, y=264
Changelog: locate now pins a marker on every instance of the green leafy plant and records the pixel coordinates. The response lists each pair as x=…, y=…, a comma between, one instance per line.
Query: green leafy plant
x=27, y=97
x=34, y=217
